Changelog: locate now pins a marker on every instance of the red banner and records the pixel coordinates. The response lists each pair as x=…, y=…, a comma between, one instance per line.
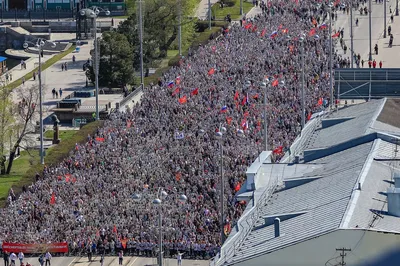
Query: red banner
x=36, y=248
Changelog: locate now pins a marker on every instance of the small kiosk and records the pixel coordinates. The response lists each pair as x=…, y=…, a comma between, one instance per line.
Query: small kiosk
x=3, y=65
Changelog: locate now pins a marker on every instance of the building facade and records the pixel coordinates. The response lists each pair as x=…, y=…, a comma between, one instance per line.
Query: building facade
x=60, y=4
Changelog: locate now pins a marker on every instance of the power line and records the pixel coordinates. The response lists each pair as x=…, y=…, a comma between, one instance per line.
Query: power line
x=343, y=254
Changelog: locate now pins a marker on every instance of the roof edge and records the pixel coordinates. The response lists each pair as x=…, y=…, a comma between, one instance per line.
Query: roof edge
x=348, y=214
x=376, y=115
x=314, y=154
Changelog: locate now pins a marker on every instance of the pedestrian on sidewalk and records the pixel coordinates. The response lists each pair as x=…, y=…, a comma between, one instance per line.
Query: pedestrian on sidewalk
x=102, y=260
x=23, y=81
x=22, y=64
x=53, y=92
x=362, y=63
x=60, y=91
x=62, y=67
x=369, y=63
x=56, y=95
x=34, y=75
x=65, y=66
x=120, y=257
x=374, y=64
x=380, y=64
x=391, y=18
x=6, y=258
x=10, y=76
x=47, y=256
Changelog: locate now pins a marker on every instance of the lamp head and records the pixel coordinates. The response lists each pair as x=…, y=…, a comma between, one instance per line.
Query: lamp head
x=97, y=11
x=82, y=12
x=223, y=130
x=218, y=134
x=263, y=85
x=247, y=83
x=25, y=45
x=108, y=12
x=157, y=202
x=281, y=83
x=53, y=44
x=240, y=132
x=41, y=42
x=164, y=194
x=182, y=198
x=136, y=197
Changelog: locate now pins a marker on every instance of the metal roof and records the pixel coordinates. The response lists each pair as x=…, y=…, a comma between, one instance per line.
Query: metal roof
x=363, y=114
x=2, y=58
x=326, y=203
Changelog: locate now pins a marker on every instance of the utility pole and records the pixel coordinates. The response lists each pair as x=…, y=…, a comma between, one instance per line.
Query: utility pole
x=343, y=254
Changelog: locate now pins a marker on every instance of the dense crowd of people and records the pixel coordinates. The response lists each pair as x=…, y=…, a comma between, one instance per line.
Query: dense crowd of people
x=167, y=142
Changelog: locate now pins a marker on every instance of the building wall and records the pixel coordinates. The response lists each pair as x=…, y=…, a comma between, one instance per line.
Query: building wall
x=366, y=246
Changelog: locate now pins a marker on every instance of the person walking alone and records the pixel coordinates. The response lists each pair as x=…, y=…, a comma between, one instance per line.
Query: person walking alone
x=120, y=257
x=21, y=257
x=13, y=257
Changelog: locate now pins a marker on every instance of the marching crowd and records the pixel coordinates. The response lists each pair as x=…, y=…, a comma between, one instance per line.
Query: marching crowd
x=167, y=142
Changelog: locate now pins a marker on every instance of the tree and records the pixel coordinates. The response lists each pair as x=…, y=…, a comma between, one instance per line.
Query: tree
x=161, y=21
x=6, y=119
x=24, y=114
x=116, y=55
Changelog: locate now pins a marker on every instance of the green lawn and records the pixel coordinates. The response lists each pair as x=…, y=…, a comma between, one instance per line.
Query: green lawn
x=20, y=167
x=232, y=7
x=63, y=134
x=27, y=165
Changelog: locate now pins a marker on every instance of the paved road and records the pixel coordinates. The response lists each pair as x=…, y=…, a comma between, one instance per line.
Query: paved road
x=389, y=56
x=113, y=261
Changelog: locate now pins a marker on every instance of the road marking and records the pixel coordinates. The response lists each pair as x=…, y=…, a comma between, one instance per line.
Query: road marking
x=72, y=261
x=133, y=262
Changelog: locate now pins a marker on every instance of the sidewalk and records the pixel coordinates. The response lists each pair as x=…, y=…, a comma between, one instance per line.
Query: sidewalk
x=54, y=77
x=388, y=56
x=202, y=9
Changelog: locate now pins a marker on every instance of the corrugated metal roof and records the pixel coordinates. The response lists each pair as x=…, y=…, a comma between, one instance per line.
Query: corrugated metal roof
x=363, y=114
x=325, y=199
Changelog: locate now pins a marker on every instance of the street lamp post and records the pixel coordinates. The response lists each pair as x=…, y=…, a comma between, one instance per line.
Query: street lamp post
x=351, y=35
x=303, y=112
x=209, y=14
x=397, y=7
x=140, y=2
x=161, y=195
x=384, y=18
x=370, y=30
x=219, y=135
x=330, y=57
x=241, y=7
x=39, y=44
x=92, y=13
x=264, y=86
x=180, y=27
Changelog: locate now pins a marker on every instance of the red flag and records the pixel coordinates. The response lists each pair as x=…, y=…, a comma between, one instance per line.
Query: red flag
x=320, y=101
x=263, y=32
x=309, y=116
x=178, y=176
x=275, y=83
x=254, y=28
x=248, y=26
x=211, y=71
x=337, y=34
x=278, y=150
x=244, y=100
x=237, y=187
x=255, y=96
x=195, y=92
x=183, y=100
x=229, y=120
x=246, y=114
x=176, y=91
x=312, y=32
x=285, y=31
x=67, y=177
x=236, y=96
x=53, y=199
x=115, y=229
x=100, y=139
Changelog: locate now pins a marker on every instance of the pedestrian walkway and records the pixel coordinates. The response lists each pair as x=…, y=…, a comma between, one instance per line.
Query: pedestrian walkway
x=202, y=9
x=388, y=56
